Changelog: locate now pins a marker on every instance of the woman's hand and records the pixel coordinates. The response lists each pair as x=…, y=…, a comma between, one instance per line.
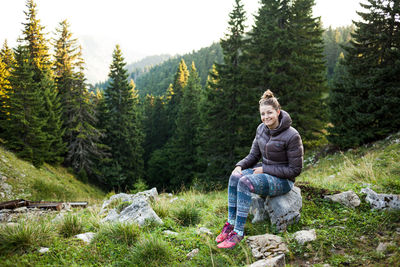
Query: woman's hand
x=237, y=170
x=258, y=170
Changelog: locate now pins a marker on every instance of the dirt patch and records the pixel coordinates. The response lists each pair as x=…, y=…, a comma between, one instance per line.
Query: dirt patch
x=310, y=192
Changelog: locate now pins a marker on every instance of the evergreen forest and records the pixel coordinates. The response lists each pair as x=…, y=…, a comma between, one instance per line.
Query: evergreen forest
x=175, y=122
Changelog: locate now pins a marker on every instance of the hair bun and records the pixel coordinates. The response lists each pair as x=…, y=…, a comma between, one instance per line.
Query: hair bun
x=267, y=94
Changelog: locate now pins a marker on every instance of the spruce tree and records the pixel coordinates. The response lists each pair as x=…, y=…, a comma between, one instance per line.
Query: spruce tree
x=285, y=55
x=24, y=128
x=229, y=108
x=38, y=52
x=122, y=126
x=184, y=142
x=364, y=101
x=155, y=124
x=81, y=136
x=7, y=63
x=174, y=95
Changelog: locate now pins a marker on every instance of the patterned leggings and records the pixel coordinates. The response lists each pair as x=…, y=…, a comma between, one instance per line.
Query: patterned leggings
x=239, y=194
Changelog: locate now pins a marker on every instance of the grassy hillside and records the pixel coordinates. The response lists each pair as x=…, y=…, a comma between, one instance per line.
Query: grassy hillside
x=345, y=236
x=21, y=179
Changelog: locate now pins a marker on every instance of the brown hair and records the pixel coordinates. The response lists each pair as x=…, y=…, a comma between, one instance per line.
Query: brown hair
x=268, y=99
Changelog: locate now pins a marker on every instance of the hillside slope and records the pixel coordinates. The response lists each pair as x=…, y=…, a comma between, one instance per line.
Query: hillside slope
x=376, y=165
x=345, y=236
x=21, y=180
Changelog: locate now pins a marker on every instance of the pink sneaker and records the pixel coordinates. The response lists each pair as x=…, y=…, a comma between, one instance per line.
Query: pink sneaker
x=231, y=240
x=225, y=232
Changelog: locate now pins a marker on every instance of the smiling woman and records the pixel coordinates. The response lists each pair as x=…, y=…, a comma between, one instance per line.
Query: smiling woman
x=280, y=149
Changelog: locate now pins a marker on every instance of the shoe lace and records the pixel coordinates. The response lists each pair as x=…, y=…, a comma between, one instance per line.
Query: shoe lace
x=227, y=227
x=232, y=237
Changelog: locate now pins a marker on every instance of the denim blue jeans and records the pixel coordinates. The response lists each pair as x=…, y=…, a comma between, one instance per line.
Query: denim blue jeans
x=239, y=194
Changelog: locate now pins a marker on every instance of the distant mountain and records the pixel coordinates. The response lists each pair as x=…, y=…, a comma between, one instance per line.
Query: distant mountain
x=153, y=74
x=158, y=78
x=147, y=62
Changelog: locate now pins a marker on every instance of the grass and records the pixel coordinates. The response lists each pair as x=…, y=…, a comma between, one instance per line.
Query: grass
x=50, y=183
x=71, y=225
x=345, y=236
x=24, y=237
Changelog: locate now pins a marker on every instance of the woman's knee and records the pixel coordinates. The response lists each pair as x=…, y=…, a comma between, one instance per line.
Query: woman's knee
x=234, y=179
x=245, y=184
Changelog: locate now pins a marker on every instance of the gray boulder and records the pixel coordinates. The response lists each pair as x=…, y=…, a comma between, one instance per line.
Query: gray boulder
x=139, y=211
x=381, y=201
x=282, y=210
x=257, y=208
x=348, y=198
x=277, y=261
x=264, y=246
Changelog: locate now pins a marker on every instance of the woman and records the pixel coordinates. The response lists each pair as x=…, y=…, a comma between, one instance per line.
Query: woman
x=281, y=149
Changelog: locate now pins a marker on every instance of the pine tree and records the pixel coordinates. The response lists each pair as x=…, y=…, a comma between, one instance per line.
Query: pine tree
x=7, y=63
x=229, y=107
x=123, y=131
x=155, y=125
x=286, y=56
x=364, y=101
x=175, y=94
x=184, y=142
x=38, y=52
x=79, y=119
x=24, y=129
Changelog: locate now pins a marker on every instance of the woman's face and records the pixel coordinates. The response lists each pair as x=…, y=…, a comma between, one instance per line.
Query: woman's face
x=269, y=116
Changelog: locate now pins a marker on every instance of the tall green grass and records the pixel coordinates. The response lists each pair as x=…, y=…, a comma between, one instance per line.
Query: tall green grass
x=25, y=236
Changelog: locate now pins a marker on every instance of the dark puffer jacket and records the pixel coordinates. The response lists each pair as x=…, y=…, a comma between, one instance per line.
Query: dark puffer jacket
x=281, y=149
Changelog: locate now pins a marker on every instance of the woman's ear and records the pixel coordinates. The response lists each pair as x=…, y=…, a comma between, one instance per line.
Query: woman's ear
x=279, y=111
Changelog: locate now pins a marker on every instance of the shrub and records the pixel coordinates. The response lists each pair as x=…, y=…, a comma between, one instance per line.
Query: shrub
x=125, y=233
x=24, y=237
x=152, y=251
x=187, y=215
x=70, y=226
x=161, y=208
x=139, y=186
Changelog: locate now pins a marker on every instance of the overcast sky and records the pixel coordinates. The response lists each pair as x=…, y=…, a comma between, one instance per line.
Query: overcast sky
x=145, y=27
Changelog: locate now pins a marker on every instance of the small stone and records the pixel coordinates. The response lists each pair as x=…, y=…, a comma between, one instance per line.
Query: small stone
x=86, y=237
x=398, y=230
x=305, y=236
x=20, y=210
x=173, y=200
x=192, y=253
x=277, y=261
x=383, y=246
x=348, y=198
x=168, y=232
x=204, y=230
x=43, y=250
x=263, y=246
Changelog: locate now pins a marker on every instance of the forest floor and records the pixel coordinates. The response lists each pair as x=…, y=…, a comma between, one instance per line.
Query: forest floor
x=345, y=236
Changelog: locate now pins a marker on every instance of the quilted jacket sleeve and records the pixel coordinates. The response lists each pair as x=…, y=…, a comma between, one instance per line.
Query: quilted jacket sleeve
x=252, y=158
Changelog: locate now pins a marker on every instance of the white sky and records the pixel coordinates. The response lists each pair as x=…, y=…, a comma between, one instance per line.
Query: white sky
x=145, y=27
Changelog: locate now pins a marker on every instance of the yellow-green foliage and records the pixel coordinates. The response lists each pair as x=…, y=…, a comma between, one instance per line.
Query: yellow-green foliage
x=50, y=183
